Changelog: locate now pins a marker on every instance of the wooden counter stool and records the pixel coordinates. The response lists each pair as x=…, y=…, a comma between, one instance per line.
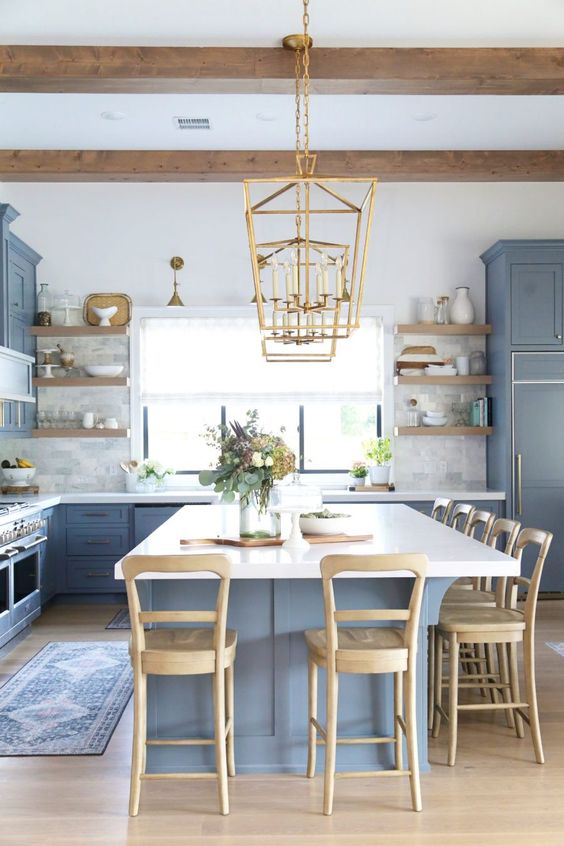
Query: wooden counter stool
x=460, y=517
x=376, y=649
x=182, y=651
x=504, y=626
x=441, y=509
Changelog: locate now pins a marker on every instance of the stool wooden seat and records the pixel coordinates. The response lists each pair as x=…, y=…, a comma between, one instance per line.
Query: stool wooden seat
x=505, y=627
x=182, y=651
x=362, y=649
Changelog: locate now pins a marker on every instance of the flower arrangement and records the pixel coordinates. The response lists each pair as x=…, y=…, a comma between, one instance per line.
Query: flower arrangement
x=249, y=462
x=150, y=471
x=359, y=470
x=378, y=451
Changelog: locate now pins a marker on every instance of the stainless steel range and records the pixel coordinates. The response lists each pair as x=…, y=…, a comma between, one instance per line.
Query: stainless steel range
x=22, y=545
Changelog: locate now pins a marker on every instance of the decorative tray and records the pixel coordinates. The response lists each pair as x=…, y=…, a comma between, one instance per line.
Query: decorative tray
x=341, y=538
x=123, y=303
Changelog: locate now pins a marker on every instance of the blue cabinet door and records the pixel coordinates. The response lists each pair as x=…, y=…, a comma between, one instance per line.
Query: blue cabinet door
x=536, y=304
x=150, y=517
x=539, y=491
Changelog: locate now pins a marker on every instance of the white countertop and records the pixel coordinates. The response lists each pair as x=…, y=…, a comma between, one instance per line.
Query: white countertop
x=396, y=528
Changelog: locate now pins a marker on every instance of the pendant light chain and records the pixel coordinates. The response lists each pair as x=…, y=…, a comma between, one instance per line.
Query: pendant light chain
x=306, y=78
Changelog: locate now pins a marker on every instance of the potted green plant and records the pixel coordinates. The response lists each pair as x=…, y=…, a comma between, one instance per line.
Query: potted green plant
x=358, y=474
x=378, y=453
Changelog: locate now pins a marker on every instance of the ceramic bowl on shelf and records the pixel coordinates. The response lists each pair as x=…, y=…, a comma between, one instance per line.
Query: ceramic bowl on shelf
x=434, y=421
x=103, y=369
x=440, y=371
x=435, y=414
x=19, y=476
x=314, y=524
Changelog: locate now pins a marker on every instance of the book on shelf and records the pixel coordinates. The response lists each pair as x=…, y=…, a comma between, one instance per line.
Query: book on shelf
x=481, y=412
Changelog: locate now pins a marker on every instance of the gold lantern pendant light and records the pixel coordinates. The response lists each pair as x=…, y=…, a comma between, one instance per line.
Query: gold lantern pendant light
x=308, y=236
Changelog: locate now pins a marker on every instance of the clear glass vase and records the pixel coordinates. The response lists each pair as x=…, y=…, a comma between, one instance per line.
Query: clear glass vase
x=255, y=522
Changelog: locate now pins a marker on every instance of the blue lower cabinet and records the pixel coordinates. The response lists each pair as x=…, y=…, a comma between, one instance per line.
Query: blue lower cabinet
x=94, y=537
x=150, y=517
x=92, y=576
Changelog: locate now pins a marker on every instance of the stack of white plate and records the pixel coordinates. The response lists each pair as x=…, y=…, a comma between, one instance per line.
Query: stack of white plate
x=434, y=418
x=436, y=370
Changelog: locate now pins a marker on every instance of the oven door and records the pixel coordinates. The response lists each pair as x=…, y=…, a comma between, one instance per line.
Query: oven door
x=25, y=593
x=4, y=595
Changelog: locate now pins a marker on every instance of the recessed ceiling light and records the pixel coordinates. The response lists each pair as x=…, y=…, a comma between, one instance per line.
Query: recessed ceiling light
x=266, y=116
x=112, y=115
x=423, y=117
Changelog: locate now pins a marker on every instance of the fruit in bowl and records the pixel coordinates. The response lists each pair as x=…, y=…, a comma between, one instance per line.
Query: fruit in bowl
x=323, y=523
x=19, y=474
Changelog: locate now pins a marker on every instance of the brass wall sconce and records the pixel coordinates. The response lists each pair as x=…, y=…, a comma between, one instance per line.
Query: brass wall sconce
x=177, y=263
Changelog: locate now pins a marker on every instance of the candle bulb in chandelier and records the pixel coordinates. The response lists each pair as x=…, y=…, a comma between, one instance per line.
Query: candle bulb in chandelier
x=339, y=277
x=324, y=274
x=275, y=290
x=288, y=278
x=318, y=282
x=294, y=263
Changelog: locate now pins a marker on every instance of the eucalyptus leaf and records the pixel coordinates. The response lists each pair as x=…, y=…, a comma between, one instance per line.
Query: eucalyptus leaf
x=228, y=496
x=207, y=477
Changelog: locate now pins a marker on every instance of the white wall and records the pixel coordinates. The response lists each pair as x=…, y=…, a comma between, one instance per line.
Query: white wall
x=427, y=238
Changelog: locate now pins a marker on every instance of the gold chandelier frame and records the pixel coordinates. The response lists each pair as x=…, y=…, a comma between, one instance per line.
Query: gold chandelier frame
x=318, y=301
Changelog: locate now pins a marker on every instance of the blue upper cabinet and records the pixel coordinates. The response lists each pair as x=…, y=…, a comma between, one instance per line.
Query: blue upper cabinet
x=531, y=276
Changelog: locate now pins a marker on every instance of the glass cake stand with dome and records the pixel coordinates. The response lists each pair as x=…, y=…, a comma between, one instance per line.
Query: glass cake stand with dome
x=293, y=499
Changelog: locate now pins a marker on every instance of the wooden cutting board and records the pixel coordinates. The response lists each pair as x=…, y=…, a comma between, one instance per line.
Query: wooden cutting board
x=245, y=542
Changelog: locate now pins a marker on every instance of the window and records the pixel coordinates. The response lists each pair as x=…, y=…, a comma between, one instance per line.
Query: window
x=202, y=371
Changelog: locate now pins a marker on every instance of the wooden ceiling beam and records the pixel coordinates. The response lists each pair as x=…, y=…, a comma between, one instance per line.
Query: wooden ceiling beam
x=235, y=165
x=343, y=70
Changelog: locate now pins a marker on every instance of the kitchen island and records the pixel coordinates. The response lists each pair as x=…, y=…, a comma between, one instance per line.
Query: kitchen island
x=275, y=595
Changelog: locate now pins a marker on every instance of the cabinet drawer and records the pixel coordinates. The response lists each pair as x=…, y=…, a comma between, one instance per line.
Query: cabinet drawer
x=98, y=541
x=91, y=577
x=97, y=514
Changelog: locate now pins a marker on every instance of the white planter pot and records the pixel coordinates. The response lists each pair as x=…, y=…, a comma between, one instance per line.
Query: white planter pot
x=355, y=482
x=462, y=310
x=379, y=475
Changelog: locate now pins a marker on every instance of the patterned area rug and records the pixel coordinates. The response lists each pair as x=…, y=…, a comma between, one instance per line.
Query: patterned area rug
x=67, y=700
x=120, y=620
x=558, y=647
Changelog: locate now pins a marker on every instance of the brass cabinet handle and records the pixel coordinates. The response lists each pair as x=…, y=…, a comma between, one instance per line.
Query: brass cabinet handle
x=19, y=415
x=1, y=414
x=104, y=574
x=99, y=541
x=519, y=483
x=95, y=514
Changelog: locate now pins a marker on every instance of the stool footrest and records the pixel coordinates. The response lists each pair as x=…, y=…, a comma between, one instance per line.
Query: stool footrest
x=154, y=776
x=491, y=706
x=182, y=741
x=372, y=773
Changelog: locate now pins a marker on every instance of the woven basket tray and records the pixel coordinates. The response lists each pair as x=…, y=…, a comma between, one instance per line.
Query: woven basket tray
x=122, y=316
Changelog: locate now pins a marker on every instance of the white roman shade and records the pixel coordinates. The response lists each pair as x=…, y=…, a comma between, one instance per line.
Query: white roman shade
x=219, y=359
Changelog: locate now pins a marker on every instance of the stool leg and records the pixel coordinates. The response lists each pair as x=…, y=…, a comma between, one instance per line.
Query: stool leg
x=412, y=751
x=431, y=677
x=311, y=714
x=438, y=683
x=491, y=670
x=139, y=738
x=530, y=682
x=220, y=745
x=331, y=740
x=453, y=652
x=504, y=678
x=398, y=712
x=515, y=690
x=230, y=715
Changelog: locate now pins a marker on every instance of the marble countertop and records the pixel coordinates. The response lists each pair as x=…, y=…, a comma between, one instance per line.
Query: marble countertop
x=395, y=528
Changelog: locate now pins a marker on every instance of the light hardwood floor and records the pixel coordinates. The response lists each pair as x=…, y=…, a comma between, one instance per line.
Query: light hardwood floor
x=495, y=793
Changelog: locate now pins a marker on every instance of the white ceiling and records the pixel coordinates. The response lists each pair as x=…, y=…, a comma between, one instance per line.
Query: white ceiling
x=73, y=121
x=263, y=22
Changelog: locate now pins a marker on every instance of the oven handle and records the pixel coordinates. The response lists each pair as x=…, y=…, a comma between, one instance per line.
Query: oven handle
x=8, y=553
x=39, y=540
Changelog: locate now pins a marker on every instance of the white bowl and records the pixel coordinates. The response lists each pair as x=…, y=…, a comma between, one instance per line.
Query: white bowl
x=19, y=476
x=434, y=421
x=324, y=525
x=440, y=371
x=103, y=369
x=435, y=414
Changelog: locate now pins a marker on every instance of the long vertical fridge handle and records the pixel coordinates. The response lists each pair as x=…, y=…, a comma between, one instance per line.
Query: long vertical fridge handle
x=519, y=483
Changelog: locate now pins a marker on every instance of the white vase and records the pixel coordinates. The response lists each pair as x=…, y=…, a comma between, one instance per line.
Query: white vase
x=356, y=482
x=462, y=310
x=379, y=475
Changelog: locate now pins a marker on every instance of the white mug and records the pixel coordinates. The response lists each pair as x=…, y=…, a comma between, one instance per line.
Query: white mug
x=462, y=365
x=88, y=420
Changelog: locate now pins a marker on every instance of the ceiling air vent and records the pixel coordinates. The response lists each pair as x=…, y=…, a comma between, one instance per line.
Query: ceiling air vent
x=191, y=123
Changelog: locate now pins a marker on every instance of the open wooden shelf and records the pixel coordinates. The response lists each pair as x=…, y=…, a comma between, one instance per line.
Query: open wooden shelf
x=76, y=331
x=443, y=380
x=80, y=433
x=443, y=430
x=440, y=329
x=81, y=382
